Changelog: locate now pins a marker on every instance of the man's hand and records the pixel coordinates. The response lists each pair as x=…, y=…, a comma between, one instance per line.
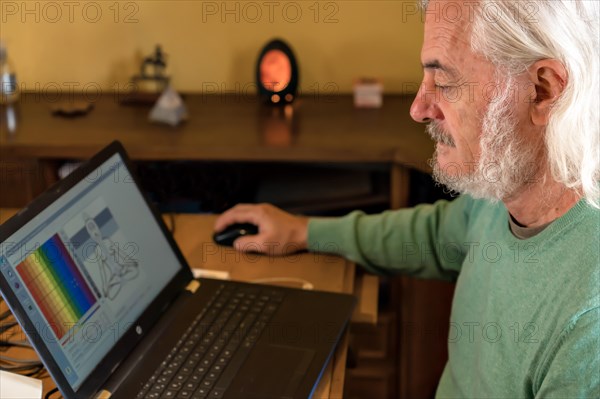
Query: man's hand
x=279, y=233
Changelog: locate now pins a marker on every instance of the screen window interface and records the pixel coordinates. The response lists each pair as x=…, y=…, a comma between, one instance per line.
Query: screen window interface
x=87, y=266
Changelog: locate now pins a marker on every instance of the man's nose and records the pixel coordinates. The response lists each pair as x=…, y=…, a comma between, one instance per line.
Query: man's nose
x=424, y=108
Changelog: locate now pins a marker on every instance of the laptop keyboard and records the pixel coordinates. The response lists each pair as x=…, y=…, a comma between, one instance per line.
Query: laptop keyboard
x=211, y=351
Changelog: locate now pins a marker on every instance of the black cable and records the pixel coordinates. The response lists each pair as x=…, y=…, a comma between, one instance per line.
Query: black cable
x=7, y=326
x=14, y=343
x=50, y=393
x=27, y=367
x=41, y=374
x=32, y=368
x=6, y=314
x=35, y=373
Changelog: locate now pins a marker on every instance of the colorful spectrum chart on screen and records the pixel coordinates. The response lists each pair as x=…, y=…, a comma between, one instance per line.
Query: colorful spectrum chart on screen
x=57, y=285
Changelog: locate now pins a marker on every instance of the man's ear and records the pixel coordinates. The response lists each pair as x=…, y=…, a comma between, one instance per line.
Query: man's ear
x=549, y=77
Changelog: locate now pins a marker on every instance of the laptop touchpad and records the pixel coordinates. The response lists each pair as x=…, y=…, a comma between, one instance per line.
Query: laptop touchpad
x=275, y=370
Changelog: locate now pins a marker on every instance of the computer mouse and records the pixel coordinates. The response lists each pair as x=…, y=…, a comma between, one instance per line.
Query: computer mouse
x=232, y=232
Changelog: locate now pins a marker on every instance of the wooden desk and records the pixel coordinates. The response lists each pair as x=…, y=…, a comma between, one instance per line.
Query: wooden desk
x=235, y=128
x=327, y=273
x=230, y=128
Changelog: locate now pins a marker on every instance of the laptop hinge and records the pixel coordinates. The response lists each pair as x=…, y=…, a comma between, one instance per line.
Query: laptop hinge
x=193, y=286
x=103, y=394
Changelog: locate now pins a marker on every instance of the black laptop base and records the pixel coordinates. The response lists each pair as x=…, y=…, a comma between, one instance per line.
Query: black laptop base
x=233, y=340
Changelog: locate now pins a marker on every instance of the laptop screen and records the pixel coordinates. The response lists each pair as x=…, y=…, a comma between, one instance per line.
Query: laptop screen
x=87, y=266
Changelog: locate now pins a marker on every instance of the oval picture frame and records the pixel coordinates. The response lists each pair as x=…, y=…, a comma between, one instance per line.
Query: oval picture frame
x=277, y=73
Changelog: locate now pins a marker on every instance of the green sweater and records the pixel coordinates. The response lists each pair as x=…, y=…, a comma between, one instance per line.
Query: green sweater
x=525, y=317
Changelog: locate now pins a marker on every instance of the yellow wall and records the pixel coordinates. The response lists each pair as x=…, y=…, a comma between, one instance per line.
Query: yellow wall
x=82, y=43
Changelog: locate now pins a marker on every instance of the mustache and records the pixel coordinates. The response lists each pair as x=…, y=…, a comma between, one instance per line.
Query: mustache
x=438, y=134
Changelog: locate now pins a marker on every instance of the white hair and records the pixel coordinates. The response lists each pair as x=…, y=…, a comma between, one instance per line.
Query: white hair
x=514, y=34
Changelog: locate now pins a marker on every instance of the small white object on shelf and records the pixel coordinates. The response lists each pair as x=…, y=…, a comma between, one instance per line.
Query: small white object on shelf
x=368, y=93
x=169, y=108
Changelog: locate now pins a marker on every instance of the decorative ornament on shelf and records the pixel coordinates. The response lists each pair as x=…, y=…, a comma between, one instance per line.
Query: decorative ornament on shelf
x=277, y=74
x=152, y=80
x=368, y=93
x=169, y=108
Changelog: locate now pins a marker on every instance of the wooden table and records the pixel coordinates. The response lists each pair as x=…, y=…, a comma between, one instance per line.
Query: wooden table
x=325, y=272
x=323, y=128
x=231, y=128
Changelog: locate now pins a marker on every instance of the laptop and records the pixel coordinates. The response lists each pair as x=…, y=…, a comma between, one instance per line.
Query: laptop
x=109, y=303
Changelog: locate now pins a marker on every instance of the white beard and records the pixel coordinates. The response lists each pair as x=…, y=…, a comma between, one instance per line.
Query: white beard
x=505, y=164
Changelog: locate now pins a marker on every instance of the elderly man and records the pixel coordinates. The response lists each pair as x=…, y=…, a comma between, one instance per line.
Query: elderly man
x=510, y=94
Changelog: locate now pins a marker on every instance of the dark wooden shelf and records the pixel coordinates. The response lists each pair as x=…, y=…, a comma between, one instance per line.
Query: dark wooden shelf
x=226, y=128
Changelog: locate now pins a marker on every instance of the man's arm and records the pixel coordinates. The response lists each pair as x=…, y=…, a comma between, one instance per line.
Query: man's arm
x=427, y=241
x=572, y=367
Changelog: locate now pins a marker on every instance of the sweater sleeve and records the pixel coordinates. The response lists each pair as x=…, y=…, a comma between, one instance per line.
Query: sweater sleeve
x=573, y=369
x=427, y=241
